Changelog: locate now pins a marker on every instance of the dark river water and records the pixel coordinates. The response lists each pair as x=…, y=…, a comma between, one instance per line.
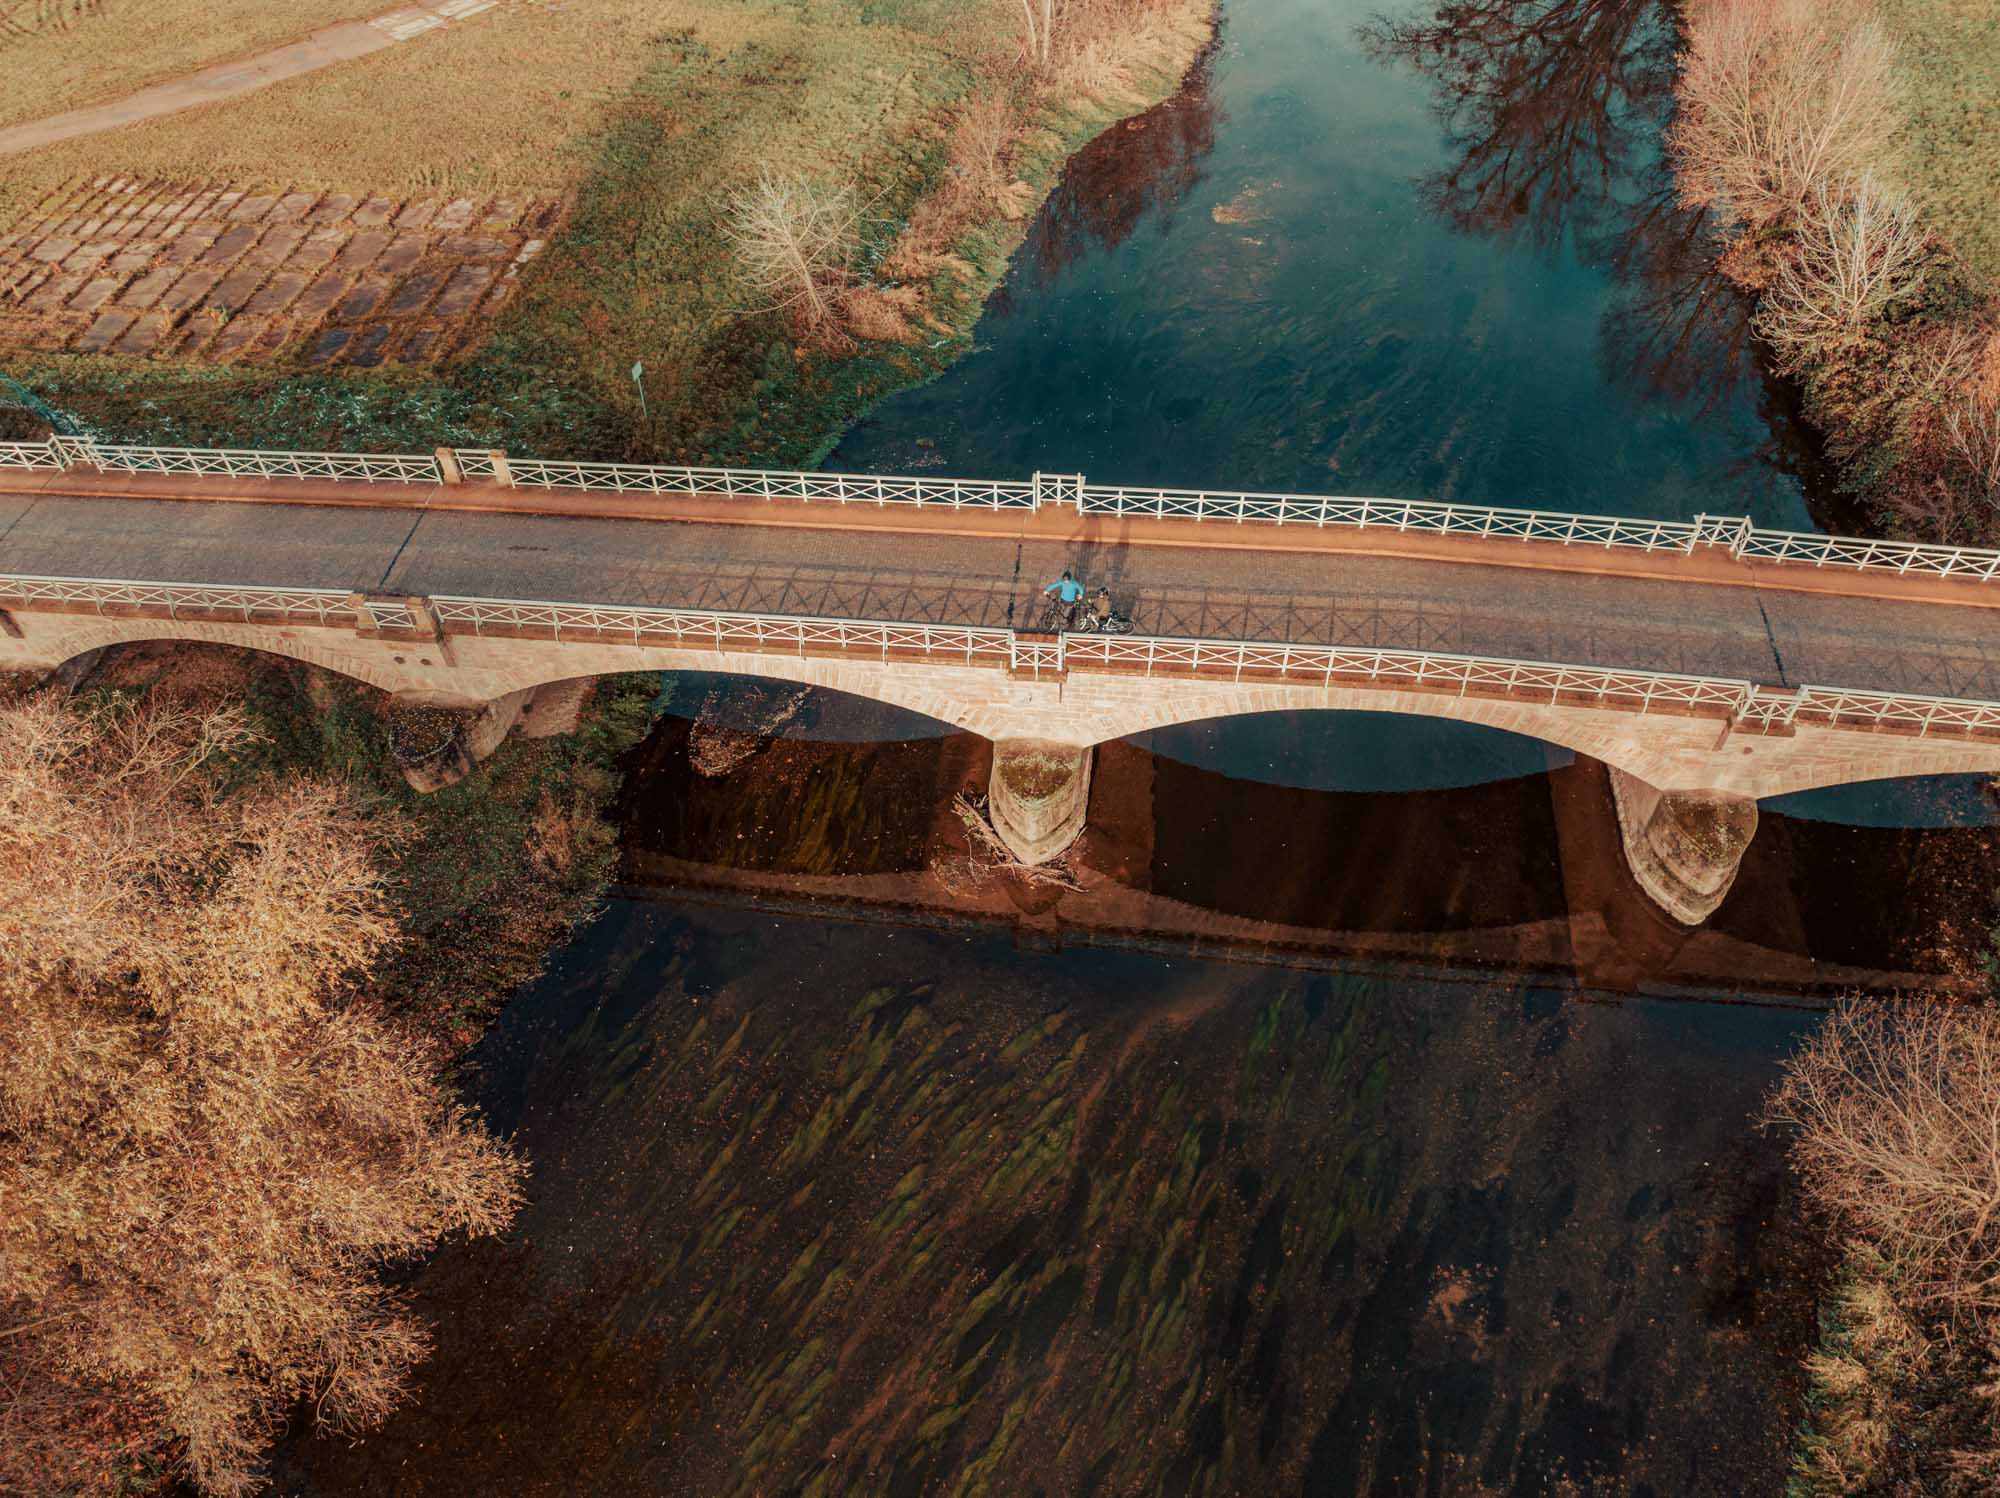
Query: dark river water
x=850, y=1198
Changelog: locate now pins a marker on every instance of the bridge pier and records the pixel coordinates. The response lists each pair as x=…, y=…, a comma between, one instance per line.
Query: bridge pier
x=1038, y=795
x=1683, y=847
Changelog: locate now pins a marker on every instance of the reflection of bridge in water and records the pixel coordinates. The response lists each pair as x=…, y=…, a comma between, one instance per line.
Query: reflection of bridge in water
x=1706, y=661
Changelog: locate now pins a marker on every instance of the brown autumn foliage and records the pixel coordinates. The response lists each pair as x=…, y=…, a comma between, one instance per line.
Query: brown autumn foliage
x=1786, y=107
x=1895, y=1108
x=1780, y=98
x=209, y=1144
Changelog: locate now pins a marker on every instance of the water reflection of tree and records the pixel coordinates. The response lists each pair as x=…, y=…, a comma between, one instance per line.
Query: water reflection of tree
x=1151, y=161
x=1554, y=111
x=1545, y=103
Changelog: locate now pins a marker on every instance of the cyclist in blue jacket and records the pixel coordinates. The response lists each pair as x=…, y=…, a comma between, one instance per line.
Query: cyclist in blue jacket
x=1066, y=593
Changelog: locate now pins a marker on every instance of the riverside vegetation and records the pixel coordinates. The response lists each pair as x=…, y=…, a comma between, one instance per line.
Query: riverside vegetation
x=1847, y=151
x=938, y=125
x=236, y=959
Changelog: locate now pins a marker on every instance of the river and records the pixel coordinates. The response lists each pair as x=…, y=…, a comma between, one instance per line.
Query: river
x=1350, y=1133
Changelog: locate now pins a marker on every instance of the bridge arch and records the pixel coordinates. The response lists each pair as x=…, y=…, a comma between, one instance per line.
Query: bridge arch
x=1672, y=752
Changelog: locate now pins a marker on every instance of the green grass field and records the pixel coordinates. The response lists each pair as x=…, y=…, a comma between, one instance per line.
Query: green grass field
x=1948, y=61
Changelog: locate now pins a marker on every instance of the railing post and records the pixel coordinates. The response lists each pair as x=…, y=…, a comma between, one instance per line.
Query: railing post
x=447, y=465
x=503, y=474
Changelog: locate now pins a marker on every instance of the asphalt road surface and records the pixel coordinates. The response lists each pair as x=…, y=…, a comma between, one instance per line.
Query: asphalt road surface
x=1773, y=637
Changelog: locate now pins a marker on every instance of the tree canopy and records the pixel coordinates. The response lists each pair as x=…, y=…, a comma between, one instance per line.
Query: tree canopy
x=211, y=1142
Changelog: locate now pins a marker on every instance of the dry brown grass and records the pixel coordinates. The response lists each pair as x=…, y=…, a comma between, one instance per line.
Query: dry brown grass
x=498, y=103
x=118, y=46
x=207, y=1149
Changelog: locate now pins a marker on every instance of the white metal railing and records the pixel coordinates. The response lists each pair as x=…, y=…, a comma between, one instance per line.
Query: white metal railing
x=1392, y=514
x=231, y=462
x=253, y=605
x=29, y=455
x=1805, y=548
x=752, y=483
x=717, y=630
x=1739, y=536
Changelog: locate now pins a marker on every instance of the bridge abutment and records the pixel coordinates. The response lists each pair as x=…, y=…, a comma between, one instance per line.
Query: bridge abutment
x=1683, y=847
x=1038, y=796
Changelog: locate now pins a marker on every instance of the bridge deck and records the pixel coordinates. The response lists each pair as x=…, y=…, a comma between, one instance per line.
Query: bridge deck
x=1779, y=637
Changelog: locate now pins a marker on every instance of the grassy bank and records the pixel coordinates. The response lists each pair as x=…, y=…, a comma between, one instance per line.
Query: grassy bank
x=1947, y=65
x=1846, y=152
x=924, y=111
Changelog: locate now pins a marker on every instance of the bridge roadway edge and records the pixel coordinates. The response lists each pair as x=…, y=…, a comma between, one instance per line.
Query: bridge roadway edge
x=1673, y=751
x=1054, y=523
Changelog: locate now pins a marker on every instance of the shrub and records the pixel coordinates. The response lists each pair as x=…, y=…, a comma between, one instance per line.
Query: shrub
x=1858, y=252
x=794, y=239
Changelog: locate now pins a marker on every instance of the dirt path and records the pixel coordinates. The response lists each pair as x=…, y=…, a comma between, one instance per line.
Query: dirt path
x=228, y=80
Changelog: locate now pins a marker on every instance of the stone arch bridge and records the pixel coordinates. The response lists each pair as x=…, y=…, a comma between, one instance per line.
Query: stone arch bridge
x=1686, y=656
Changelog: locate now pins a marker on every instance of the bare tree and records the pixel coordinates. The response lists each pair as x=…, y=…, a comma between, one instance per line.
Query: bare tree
x=1859, y=251
x=1779, y=98
x=209, y=1145
x=1972, y=437
x=1897, y=1112
x=793, y=239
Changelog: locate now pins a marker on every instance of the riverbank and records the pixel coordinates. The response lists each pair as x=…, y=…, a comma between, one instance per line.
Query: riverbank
x=1844, y=154
x=929, y=118
x=1848, y=153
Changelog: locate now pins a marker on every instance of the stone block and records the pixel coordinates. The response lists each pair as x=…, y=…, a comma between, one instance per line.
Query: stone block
x=417, y=214
x=473, y=247
x=131, y=262
x=188, y=290
x=329, y=346
x=251, y=209
x=191, y=243
x=54, y=292
x=105, y=331
x=367, y=349
x=319, y=297
x=467, y=284
x=423, y=345
x=402, y=255
x=293, y=206
x=500, y=214
x=236, y=289
x=414, y=292
x=145, y=291
x=362, y=250
x=277, y=293
x=229, y=245
x=318, y=248
x=362, y=300
x=95, y=294
x=236, y=335
x=277, y=245
x=53, y=250
x=456, y=214
x=375, y=212
x=143, y=336
x=334, y=208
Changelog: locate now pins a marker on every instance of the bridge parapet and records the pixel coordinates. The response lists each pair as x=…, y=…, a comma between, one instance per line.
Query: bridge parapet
x=1736, y=535
x=1741, y=707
